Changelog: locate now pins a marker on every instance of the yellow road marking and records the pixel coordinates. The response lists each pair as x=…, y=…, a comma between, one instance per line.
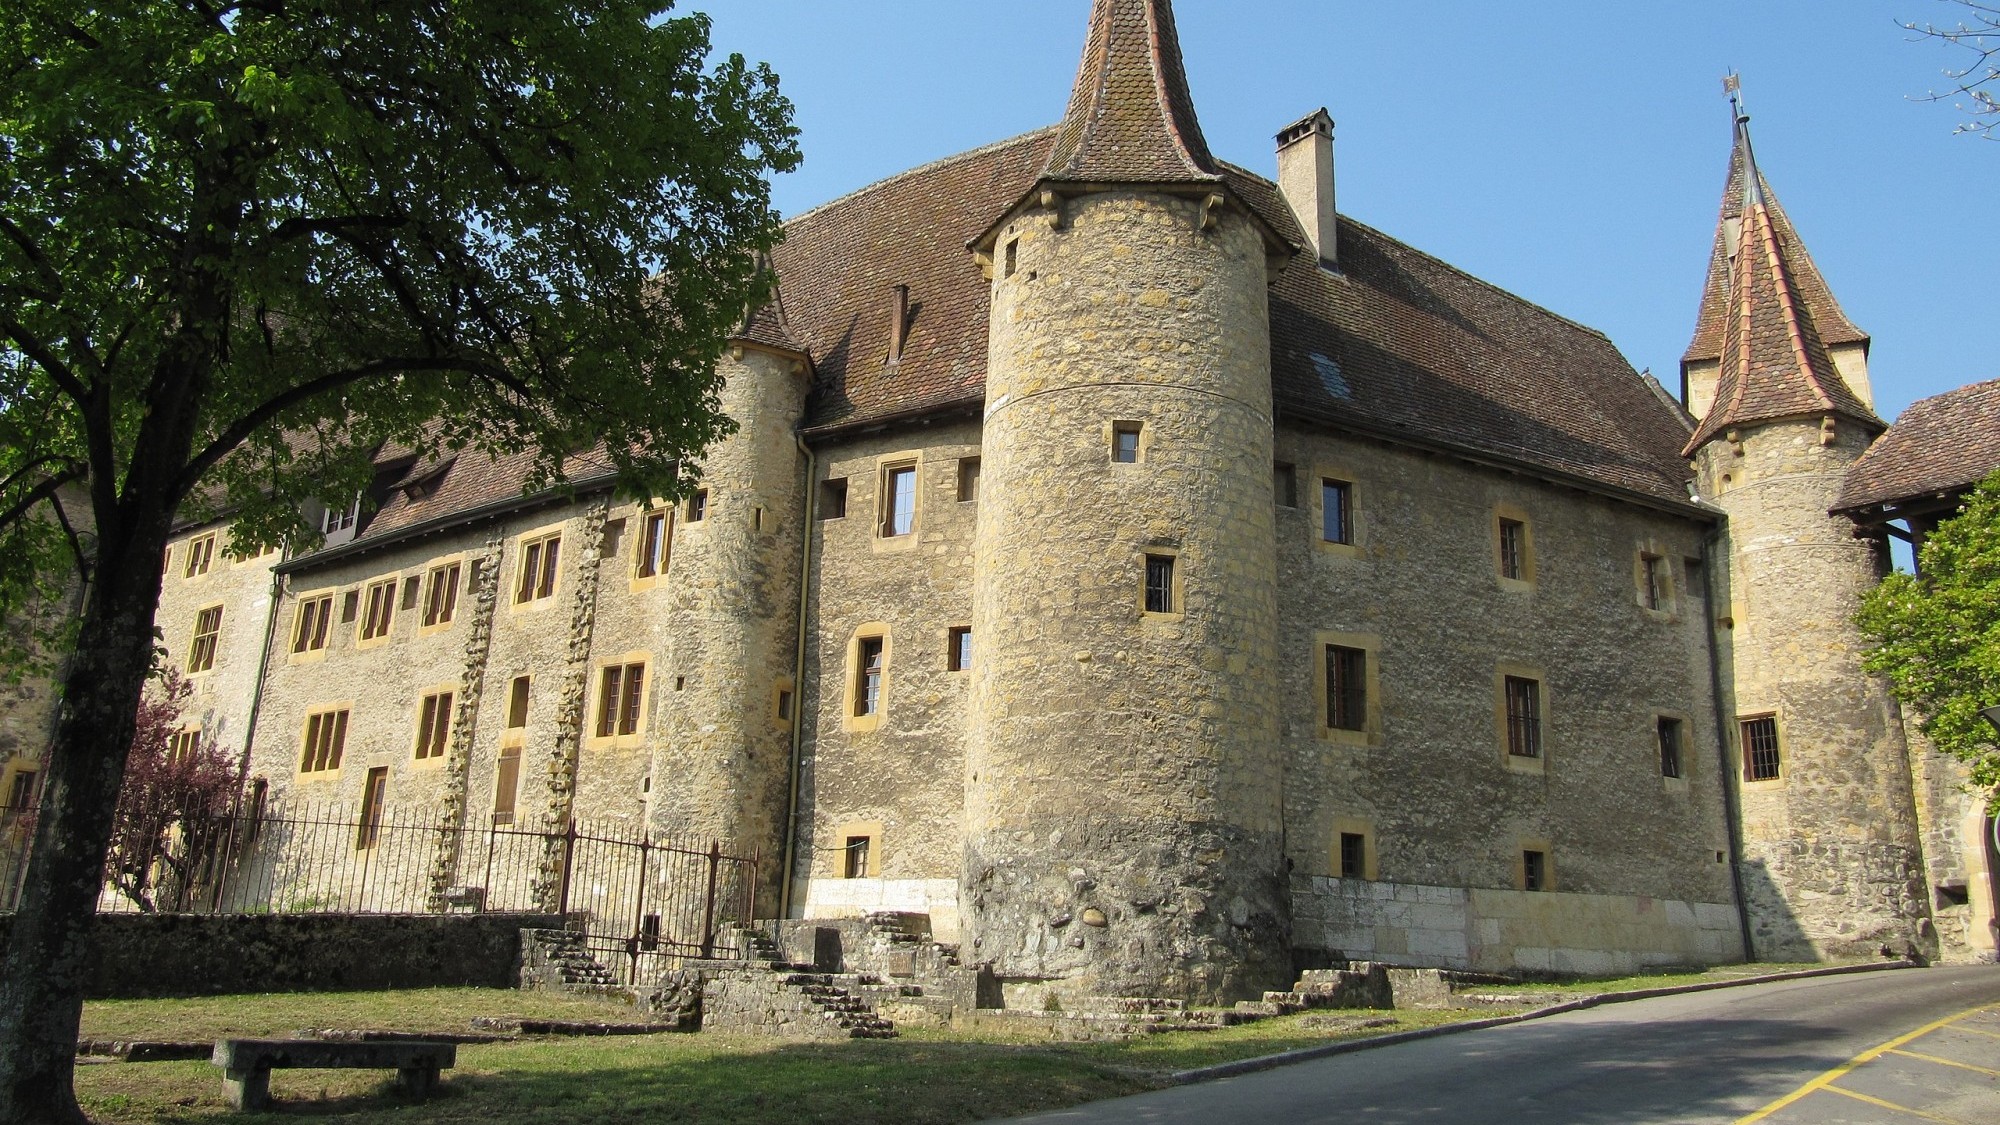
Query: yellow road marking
x=1892, y=1105
x=1947, y=1062
x=1978, y=1031
x=1825, y=1081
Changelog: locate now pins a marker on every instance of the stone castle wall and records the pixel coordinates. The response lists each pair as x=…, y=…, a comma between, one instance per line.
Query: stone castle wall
x=223, y=695
x=1834, y=864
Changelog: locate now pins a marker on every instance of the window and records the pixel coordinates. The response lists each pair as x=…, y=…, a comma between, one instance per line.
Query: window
x=309, y=629
x=1524, y=717
x=610, y=539
x=517, y=703
x=340, y=519
x=1346, y=688
x=1285, y=484
x=201, y=554
x=538, y=569
x=441, y=605
x=1670, y=747
x=373, y=792
x=1761, y=761
x=1653, y=582
x=1353, y=855
x=621, y=689
x=1125, y=442
x=1010, y=258
x=184, y=745
x=21, y=795
x=410, y=588
x=968, y=479
x=1534, y=870
x=698, y=505
x=958, y=648
x=350, y=607
x=785, y=705
x=1160, y=584
x=326, y=737
x=855, y=860
x=434, y=726
x=201, y=650
x=656, y=534
x=506, y=784
x=1513, y=549
x=1336, y=511
x=868, y=677
x=899, y=500
x=381, y=610
x=833, y=499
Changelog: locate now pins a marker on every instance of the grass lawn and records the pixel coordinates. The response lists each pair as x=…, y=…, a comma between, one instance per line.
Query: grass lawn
x=924, y=1077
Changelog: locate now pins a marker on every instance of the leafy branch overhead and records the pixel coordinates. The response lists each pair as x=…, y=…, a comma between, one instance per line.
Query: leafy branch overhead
x=1976, y=33
x=1937, y=636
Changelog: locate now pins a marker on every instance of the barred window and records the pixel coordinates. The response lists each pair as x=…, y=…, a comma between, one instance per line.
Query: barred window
x=441, y=605
x=326, y=737
x=1670, y=747
x=1160, y=584
x=381, y=610
x=621, y=691
x=1346, y=688
x=1534, y=870
x=201, y=649
x=310, y=627
x=434, y=725
x=1524, y=717
x=1761, y=760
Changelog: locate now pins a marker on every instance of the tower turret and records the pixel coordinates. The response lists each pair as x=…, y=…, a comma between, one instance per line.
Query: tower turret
x=1832, y=859
x=1123, y=829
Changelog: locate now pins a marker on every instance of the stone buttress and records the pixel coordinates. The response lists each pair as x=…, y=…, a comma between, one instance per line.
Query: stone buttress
x=1123, y=785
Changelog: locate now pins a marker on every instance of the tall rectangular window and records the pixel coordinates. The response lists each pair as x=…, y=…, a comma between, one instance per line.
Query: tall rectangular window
x=506, y=784
x=655, y=537
x=517, y=703
x=1513, y=549
x=1653, y=581
x=22, y=794
x=537, y=579
x=1761, y=761
x=868, y=677
x=958, y=648
x=833, y=498
x=310, y=627
x=201, y=554
x=1160, y=584
x=380, y=611
x=1346, y=688
x=1524, y=717
x=326, y=737
x=434, y=726
x=1670, y=747
x=1125, y=442
x=1353, y=855
x=411, y=586
x=374, y=793
x=184, y=745
x=855, y=863
x=621, y=689
x=899, y=500
x=1336, y=511
x=968, y=479
x=441, y=603
x=1534, y=870
x=1285, y=484
x=698, y=505
x=207, y=629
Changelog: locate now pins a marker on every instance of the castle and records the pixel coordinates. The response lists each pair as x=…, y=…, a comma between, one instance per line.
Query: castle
x=1159, y=581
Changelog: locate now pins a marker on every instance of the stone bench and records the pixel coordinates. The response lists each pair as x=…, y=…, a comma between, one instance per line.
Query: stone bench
x=247, y=1063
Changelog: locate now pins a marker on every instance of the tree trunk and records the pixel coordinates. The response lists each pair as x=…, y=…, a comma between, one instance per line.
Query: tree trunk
x=48, y=952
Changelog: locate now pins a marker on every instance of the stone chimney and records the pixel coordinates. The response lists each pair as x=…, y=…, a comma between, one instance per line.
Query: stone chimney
x=1305, y=176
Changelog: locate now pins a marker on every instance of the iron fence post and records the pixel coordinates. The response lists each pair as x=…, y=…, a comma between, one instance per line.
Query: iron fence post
x=568, y=861
x=708, y=903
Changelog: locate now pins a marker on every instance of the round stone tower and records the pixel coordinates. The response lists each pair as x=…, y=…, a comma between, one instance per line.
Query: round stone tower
x=1123, y=788
x=1832, y=858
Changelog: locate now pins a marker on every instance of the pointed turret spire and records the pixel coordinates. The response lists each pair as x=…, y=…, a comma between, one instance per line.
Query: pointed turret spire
x=1131, y=118
x=1774, y=361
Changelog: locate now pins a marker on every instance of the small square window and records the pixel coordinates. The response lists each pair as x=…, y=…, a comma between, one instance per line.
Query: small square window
x=1513, y=549
x=340, y=519
x=833, y=498
x=698, y=505
x=958, y=648
x=1285, y=484
x=1524, y=717
x=1353, y=855
x=1160, y=592
x=968, y=479
x=1670, y=747
x=1534, y=870
x=1761, y=758
x=1125, y=442
x=784, y=705
x=899, y=500
x=1336, y=511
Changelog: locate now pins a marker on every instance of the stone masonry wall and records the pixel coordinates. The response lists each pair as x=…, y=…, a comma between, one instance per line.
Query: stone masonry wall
x=1123, y=820
x=242, y=587
x=1834, y=865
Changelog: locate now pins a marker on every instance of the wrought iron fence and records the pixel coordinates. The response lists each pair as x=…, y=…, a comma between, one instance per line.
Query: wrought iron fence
x=642, y=903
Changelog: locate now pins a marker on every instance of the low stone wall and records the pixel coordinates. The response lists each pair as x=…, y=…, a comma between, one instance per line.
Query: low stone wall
x=1508, y=931
x=138, y=955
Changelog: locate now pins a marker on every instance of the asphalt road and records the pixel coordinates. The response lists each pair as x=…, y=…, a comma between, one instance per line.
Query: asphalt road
x=1698, y=1057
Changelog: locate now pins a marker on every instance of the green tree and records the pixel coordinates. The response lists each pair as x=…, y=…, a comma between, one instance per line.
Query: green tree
x=1937, y=637
x=244, y=244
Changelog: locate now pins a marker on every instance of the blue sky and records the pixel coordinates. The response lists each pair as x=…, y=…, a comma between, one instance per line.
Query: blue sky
x=1572, y=152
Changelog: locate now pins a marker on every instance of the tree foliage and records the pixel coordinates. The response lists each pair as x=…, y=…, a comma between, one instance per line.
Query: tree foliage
x=173, y=797
x=1976, y=35
x=1937, y=637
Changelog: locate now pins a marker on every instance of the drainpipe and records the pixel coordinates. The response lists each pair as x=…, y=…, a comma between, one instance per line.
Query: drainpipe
x=280, y=584
x=1730, y=816
x=798, y=687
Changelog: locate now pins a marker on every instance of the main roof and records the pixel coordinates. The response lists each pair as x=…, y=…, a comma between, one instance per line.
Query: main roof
x=1941, y=444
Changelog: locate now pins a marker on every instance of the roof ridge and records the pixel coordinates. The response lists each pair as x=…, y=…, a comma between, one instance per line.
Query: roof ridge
x=919, y=170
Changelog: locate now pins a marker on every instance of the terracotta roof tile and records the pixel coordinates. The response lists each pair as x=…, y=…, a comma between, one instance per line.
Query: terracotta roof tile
x=1131, y=118
x=1940, y=444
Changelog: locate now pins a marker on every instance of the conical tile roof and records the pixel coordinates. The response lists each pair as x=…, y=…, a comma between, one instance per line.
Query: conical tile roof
x=1131, y=118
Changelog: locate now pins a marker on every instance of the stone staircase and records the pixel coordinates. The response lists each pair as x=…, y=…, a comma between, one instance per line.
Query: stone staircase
x=558, y=960
x=750, y=987
x=834, y=995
